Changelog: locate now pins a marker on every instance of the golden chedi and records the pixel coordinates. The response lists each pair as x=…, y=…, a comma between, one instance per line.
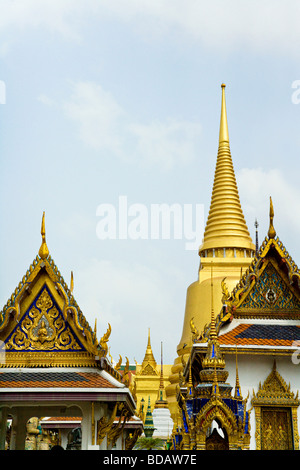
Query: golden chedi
x=226, y=245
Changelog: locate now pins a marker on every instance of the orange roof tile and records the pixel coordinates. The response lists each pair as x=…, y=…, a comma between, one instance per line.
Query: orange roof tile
x=62, y=379
x=262, y=334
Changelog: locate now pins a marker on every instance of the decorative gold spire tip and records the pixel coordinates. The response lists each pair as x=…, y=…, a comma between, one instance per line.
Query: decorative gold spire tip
x=271, y=232
x=223, y=136
x=43, y=251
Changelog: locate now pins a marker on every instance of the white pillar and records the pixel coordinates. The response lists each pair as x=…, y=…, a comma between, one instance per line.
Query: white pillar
x=3, y=425
x=18, y=429
x=87, y=442
x=64, y=437
x=86, y=427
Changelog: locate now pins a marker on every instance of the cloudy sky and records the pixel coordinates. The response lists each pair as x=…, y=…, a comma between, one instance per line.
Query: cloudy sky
x=111, y=107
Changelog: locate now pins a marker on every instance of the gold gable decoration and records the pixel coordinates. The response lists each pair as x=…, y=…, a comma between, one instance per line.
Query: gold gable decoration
x=42, y=325
x=148, y=370
x=149, y=362
x=42, y=329
x=278, y=276
x=267, y=292
x=275, y=391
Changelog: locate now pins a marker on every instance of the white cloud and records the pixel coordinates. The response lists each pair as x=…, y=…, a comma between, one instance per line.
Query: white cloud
x=233, y=24
x=97, y=114
x=44, y=99
x=104, y=125
x=166, y=143
x=269, y=26
x=61, y=16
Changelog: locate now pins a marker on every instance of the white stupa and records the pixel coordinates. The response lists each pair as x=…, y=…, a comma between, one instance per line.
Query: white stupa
x=161, y=415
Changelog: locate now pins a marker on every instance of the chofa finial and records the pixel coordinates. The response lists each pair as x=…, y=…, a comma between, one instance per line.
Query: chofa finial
x=43, y=251
x=72, y=283
x=271, y=232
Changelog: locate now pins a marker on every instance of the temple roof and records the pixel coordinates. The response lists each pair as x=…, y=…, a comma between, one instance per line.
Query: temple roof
x=270, y=287
x=56, y=379
x=42, y=325
x=261, y=334
x=149, y=363
x=264, y=307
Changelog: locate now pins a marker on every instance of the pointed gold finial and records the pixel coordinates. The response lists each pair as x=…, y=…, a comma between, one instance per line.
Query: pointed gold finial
x=215, y=384
x=161, y=382
x=161, y=401
x=190, y=383
x=72, y=283
x=223, y=136
x=271, y=232
x=238, y=394
x=43, y=251
x=149, y=357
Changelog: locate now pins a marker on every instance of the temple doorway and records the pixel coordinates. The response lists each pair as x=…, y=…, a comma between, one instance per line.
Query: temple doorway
x=276, y=429
x=217, y=439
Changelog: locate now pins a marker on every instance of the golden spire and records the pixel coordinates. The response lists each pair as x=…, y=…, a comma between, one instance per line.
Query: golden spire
x=161, y=401
x=43, y=251
x=149, y=358
x=213, y=354
x=190, y=383
x=271, y=232
x=161, y=382
x=226, y=226
x=238, y=393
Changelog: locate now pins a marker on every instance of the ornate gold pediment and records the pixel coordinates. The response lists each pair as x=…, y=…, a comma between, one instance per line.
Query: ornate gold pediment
x=270, y=287
x=148, y=370
x=43, y=328
x=270, y=291
x=275, y=391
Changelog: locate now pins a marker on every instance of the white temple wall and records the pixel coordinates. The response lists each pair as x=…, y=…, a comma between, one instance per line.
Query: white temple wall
x=254, y=369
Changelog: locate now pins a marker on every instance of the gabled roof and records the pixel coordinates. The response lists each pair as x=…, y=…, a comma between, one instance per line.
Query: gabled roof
x=269, y=287
x=264, y=307
x=41, y=379
x=42, y=325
